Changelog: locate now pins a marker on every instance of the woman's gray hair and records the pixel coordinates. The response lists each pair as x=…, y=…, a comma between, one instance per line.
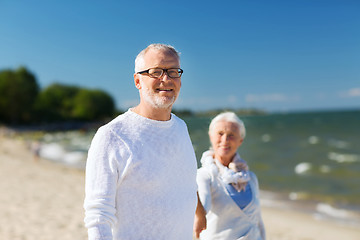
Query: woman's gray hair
x=229, y=117
x=139, y=60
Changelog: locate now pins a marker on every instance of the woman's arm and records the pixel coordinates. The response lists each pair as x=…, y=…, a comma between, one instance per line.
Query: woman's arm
x=200, y=218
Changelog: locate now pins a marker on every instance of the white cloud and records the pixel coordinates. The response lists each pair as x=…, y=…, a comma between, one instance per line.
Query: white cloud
x=353, y=92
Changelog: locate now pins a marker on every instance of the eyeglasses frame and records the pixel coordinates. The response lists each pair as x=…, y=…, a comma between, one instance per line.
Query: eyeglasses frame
x=165, y=70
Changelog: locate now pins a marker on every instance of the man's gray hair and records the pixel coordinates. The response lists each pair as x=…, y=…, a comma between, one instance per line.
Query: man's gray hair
x=229, y=117
x=139, y=60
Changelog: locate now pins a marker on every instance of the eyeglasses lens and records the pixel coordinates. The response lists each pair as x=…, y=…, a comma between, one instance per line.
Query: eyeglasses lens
x=156, y=72
x=174, y=73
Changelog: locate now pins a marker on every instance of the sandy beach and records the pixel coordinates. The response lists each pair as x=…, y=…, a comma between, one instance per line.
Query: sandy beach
x=43, y=200
x=40, y=200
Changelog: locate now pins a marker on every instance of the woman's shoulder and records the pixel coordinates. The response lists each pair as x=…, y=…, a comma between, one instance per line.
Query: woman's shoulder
x=252, y=175
x=207, y=171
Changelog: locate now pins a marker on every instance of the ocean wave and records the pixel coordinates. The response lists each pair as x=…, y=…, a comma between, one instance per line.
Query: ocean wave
x=325, y=169
x=293, y=196
x=331, y=211
x=273, y=199
x=338, y=144
x=313, y=140
x=56, y=152
x=300, y=201
x=266, y=138
x=303, y=168
x=326, y=211
x=343, y=158
x=52, y=151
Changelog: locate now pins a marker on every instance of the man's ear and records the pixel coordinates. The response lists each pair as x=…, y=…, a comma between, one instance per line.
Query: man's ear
x=137, y=81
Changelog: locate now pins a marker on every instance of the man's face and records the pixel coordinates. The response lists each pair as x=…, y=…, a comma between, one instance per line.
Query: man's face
x=159, y=92
x=225, y=140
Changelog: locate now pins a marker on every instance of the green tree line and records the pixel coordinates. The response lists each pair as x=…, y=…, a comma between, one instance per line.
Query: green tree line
x=22, y=101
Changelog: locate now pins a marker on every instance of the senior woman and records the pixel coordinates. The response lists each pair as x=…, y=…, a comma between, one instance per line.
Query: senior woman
x=228, y=191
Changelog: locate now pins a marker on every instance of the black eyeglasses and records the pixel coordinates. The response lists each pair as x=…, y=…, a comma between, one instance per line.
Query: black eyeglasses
x=158, y=72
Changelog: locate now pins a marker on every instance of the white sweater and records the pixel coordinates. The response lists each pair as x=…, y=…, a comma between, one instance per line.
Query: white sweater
x=141, y=180
x=225, y=219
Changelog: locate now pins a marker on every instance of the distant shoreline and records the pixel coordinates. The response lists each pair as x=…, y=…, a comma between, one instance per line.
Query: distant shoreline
x=79, y=125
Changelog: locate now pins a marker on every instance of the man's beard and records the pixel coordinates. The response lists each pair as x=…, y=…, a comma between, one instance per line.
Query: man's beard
x=157, y=101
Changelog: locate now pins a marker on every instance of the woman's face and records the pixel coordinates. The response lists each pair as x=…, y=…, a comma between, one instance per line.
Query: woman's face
x=225, y=140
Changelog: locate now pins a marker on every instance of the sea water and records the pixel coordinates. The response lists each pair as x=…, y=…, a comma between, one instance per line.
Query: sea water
x=312, y=160
x=305, y=160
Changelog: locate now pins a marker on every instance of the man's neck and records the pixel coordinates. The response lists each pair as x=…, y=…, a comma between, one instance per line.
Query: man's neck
x=159, y=114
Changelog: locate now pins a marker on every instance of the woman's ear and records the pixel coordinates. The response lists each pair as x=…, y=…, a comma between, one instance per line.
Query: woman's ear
x=241, y=141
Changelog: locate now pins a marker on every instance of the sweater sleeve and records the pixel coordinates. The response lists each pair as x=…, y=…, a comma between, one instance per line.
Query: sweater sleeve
x=203, y=180
x=102, y=176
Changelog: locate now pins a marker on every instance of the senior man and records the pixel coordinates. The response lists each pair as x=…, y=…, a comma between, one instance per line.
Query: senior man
x=141, y=167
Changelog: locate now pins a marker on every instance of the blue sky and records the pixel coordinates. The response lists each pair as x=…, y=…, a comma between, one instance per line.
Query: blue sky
x=272, y=55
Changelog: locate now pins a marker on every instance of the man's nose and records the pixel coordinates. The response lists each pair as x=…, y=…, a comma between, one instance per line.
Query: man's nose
x=165, y=76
